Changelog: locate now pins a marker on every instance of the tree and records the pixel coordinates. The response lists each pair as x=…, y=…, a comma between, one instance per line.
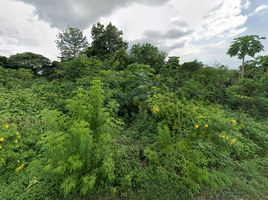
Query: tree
x=246, y=45
x=3, y=61
x=148, y=54
x=106, y=41
x=28, y=60
x=71, y=43
x=262, y=63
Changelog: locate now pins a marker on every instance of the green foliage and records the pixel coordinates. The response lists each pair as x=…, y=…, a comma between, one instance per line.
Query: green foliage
x=192, y=131
x=78, y=145
x=245, y=45
x=249, y=96
x=78, y=67
x=262, y=64
x=148, y=54
x=71, y=43
x=28, y=60
x=106, y=41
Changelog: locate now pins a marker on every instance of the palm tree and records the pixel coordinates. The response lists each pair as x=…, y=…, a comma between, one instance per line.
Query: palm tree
x=246, y=45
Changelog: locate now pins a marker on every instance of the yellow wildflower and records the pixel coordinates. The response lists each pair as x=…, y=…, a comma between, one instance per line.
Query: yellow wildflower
x=18, y=160
x=2, y=139
x=11, y=135
x=223, y=136
x=196, y=126
x=156, y=109
x=19, y=168
x=219, y=135
x=19, y=136
x=206, y=125
x=42, y=137
x=0, y=147
x=227, y=138
x=17, y=133
x=16, y=141
x=7, y=126
x=232, y=141
x=17, y=146
x=234, y=121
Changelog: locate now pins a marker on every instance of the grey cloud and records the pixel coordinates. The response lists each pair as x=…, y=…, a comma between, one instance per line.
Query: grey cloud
x=170, y=34
x=179, y=23
x=174, y=34
x=81, y=13
x=158, y=38
x=213, y=10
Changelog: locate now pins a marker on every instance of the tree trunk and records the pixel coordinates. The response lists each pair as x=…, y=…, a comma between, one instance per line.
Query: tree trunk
x=243, y=70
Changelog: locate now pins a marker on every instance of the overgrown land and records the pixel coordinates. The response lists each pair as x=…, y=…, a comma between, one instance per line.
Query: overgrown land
x=110, y=123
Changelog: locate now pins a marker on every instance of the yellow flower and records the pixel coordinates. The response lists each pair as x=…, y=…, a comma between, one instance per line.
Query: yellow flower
x=156, y=109
x=219, y=135
x=17, y=133
x=160, y=102
x=2, y=139
x=206, y=125
x=17, y=146
x=196, y=126
x=19, y=136
x=11, y=135
x=16, y=141
x=234, y=121
x=223, y=136
x=0, y=147
x=232, y=141
x=18, y=160
x=7, y=126
x=42, y=137
x=227, y=138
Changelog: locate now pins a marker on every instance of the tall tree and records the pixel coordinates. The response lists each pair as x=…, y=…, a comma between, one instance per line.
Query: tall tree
x=28, y=60
x=106, y=41
x=148, y=54
x=71, y=43
x=246, y=45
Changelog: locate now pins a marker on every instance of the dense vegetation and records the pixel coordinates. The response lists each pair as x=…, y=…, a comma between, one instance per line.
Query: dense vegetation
x=107, y=123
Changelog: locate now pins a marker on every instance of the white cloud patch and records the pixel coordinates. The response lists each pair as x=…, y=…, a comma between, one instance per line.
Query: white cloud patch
x=259, y=9
x=246, y=5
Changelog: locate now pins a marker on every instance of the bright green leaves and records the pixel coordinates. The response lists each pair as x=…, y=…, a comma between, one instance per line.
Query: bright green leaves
x=80, y=142
x=164, y=139
x=88, y=183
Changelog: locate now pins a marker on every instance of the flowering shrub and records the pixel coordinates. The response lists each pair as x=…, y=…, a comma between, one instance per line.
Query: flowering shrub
x=10, y=151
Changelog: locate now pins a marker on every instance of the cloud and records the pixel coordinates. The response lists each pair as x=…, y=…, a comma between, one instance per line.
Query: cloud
x=246, y=5
x=259, y=9
x=159, y=39
x=22, y=32
x=170, y=34
x=224, y=18
x=81, y=13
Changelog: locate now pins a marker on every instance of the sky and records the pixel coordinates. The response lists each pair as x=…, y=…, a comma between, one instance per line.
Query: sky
x=191, y=29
